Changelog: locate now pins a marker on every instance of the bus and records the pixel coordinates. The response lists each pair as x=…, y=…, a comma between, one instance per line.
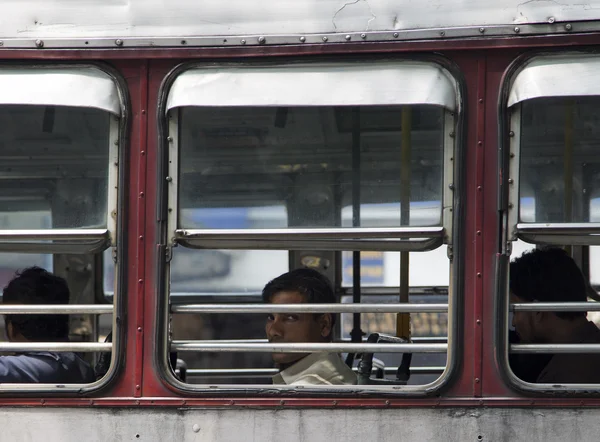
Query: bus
x=168, y=159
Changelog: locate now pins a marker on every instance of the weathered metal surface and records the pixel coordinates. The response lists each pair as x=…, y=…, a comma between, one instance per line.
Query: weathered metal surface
x=316, y=84
x=157, y=18
x=75, y=86
x=457, y=424
x=552, y=76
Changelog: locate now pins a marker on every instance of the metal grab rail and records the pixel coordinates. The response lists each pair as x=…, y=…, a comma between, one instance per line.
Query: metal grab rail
x=199, y=346
x=555, y=307
x=268, y=372
x=102, y=309
x=554, y=348
x=76, y=347
x=310, y=308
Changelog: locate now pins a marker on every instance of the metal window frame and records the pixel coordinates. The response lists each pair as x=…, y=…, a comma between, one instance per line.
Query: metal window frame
x=81, y=241
x=452, y=211
x=536, y=233
x=76, y=240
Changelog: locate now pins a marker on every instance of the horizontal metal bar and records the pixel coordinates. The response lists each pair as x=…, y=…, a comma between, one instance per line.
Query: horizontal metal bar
x=418, y=339
x=361, y=245
x=70, y=309
x=268, y=372
x=481, y=31
x=76, y=247
x=53, y=234
x=565, y=238
x=309, y=308
x=316, y=233
x=76, y=347
x=555, y=348
x=329, y=347
x=556, y=307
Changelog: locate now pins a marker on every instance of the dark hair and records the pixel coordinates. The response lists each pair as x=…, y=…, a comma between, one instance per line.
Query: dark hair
x=309, y=282
x=35, y=285
x=548, y=275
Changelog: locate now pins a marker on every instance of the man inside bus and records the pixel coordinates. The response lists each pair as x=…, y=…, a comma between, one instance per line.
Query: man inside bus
x=551, y=275
x=302, y=286
x=34, y=286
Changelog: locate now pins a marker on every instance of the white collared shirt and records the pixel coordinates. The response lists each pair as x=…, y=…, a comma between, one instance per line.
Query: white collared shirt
x=317, y=369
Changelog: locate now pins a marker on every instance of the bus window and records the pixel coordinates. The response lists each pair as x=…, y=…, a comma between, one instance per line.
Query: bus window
x=553, y=203
x=61, y=131
x=296, y=177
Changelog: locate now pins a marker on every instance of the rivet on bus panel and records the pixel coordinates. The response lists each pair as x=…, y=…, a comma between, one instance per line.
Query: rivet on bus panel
x=170, y=139
x=302, y=39
x=511, y=134
x=568, y=27
x=396, y=35
x=169, y=179
x=551, y=20
x=39, y=43
x=481, y=30
x=510, y=181
x=262, y=40
x=1, y=43
x=348, y=37
x=325, y=39
x=196, y=428
x=442, y=33
x=119, y=42
x=243, y=42
x=517, y=30
x=363, y=36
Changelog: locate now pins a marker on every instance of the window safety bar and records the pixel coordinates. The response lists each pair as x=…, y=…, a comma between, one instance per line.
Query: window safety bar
x=77, y=347
x=556, y=307
x=268, y=372
x=310, y=308
x=70, y=309
x=199, y=346
x=54, y=240
x=414, y=339
x=403, y=238
x=555, y=348
x=559, y=233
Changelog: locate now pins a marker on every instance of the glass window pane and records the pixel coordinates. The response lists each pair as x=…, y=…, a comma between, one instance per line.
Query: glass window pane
x=560, y=171
x=265, y=167
x=53, y=160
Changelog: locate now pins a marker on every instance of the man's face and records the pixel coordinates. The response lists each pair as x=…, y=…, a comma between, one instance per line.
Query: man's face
x=295, y=327
x=524, y=322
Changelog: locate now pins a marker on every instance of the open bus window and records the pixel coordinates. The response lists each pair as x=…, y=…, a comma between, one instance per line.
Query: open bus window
x=59, y=186
x=292, y=177
x=553, y=204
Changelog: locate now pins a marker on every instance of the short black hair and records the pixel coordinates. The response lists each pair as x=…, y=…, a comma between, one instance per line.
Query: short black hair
x=35, y=285
x=548, y=275
x=311, y=283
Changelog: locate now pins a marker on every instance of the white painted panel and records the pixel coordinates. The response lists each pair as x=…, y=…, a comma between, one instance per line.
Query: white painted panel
x=557, y=76
x=162, y=18
x=151, y=424
x=77, y=87
x=316, y=84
